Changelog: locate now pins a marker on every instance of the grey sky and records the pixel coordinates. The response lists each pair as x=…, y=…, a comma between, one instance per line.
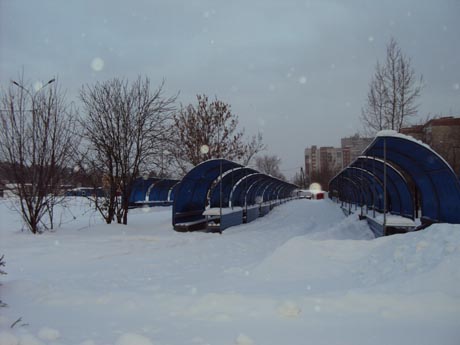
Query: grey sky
x=296, y=70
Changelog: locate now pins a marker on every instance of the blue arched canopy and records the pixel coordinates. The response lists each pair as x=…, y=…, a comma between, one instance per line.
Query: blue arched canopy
x=400, y=198
x=140, y=187
x=438, y=185
x=159, y=191
x=191, y=194
x=392, y=157
x=151, y=191
x=219, y=183
x=225, y=186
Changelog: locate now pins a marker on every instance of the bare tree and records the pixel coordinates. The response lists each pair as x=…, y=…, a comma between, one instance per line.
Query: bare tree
x=393, y=92
x=269, y=164
x=127, y=126
x=300, y=179
x=37, y=141
x=92, y=170
x=2, y=264
x=253, y=147
x=210, y=130
x=373, y=114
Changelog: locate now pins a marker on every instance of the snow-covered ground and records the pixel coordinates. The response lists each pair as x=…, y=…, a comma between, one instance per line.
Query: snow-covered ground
x=303, y=274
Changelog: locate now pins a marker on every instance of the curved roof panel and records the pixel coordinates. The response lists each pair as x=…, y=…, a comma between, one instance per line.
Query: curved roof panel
x=140, y=187
x=159, y=190
x=226, y=184
x=191, y=194
x=401, y=201
x=228, y=181
x=434, y=178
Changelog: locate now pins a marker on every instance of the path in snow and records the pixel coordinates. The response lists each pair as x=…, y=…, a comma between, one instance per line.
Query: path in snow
x=302, y=274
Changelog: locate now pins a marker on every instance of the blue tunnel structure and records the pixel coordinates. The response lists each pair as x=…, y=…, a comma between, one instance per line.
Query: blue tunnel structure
x=398, y=176
x=220, y=193
x=153, y=192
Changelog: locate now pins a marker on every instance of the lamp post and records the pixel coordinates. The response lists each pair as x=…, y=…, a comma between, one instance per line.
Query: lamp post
x=32, y=96
x=220, y=170
x=39, y=89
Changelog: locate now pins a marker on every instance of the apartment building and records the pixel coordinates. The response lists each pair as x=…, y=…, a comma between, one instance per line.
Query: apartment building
x=442, y=135
x=353, y=146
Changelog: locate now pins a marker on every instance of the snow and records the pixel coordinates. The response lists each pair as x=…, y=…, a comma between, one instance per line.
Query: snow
x=395, y=134
x=304, y=273
x=394, y=220
x=216, y=211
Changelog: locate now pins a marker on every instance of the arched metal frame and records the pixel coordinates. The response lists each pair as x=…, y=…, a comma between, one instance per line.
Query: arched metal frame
x=227, y=184
x=228, y=181
x=389, y=158
x=401, y=201
x=140, y=188
x=152, y=190
x=160, y=191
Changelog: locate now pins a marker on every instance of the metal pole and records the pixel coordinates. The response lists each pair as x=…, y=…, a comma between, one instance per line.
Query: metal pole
x=384, y=186
x=375, y=184
x=220, y=168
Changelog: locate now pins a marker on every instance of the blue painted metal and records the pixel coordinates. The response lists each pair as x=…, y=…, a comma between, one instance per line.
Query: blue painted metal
x=407, y=162
x=264, y=209
x=401, y=200
x=252, y=213
x=228, y=182
x=239, y=193
x=140, y=187
x=373, y=187
x=191, y=194
x=438, y=185
x=232, y=219
x=221, y=183
x=159, y=191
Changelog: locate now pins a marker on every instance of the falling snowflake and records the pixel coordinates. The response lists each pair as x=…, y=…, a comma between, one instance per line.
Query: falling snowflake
x=456, y=86
x=207, y=14
x=272, y=87
x=204, y=149
x=370, y=39
x=97, y=64
x=303, y=80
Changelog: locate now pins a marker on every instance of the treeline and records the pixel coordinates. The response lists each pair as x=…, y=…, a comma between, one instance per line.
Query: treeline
x=123, y=130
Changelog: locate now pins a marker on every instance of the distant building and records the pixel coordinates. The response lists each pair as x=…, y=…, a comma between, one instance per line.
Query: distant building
x=321, y=164
x=442, y=135
x=353, y=146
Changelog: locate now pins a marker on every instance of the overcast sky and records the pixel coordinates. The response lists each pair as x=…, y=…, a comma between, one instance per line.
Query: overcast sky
x=296, y=70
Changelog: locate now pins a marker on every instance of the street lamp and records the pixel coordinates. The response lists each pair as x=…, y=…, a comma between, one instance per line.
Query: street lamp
x=26, y=90
x=32, y=96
